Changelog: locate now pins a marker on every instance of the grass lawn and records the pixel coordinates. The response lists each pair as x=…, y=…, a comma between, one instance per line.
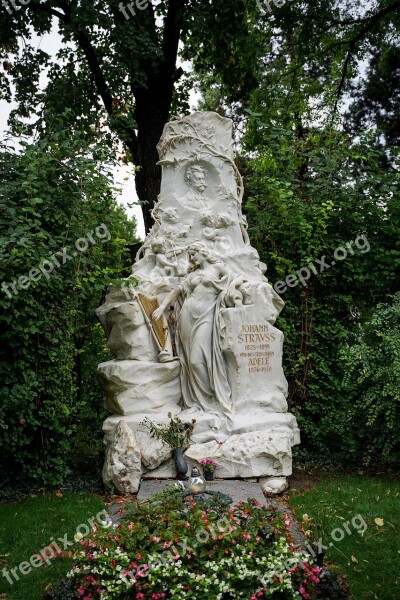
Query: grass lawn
x=370, y=561
x=28, y=526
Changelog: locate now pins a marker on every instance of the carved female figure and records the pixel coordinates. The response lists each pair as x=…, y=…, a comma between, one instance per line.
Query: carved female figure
x=201, y=296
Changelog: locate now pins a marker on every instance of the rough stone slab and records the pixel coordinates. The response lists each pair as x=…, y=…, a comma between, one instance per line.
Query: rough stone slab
x=128, y=335
x=254, y=454
x=138, y=386
x=274, y=485
x=122, y=465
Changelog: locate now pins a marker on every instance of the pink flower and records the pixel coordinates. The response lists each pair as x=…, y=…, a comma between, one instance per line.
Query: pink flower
x=304, y=593
x=139, y=595
x=131, y=526
x=141, y=572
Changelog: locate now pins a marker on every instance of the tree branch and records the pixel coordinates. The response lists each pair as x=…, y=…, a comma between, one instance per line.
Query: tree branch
x=50, y=11
x=372, y=21
x=87, y=48
x=171, y=37
x=376, y=17
x=95, y=68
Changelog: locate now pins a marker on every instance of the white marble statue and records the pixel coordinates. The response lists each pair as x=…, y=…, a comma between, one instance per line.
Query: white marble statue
x=195, y=336
x=202, y=295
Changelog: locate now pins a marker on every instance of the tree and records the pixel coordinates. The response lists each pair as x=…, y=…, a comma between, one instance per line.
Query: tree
x=376, y=98
x=119, y=75
x=330, y=43
x=118, y=67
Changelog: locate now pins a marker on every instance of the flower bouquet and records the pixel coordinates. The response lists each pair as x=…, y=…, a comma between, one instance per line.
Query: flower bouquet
x=209, y=465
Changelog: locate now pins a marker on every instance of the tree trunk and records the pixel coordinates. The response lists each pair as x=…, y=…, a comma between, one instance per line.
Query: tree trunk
x=151, y=114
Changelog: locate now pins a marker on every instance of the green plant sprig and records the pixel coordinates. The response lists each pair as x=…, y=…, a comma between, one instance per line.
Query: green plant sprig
x=176, y=434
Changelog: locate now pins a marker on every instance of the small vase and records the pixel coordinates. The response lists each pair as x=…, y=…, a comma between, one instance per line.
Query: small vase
x=180, y=463
x=319, y=559
x=208, y=475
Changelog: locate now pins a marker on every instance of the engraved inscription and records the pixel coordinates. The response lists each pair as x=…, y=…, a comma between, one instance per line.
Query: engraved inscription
x=256, y=351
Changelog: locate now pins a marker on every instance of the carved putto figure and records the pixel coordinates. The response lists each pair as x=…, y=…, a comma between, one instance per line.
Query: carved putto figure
x=164, y=267
x=213, y=233
x=170, y=227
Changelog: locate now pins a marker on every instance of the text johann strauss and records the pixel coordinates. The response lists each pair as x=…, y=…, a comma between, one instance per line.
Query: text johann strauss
x=255, y=333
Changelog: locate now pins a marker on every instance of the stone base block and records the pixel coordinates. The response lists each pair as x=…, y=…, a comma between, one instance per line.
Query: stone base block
x=254, y=454
x=265, y=454
x=274, y=485
x=260, y=421
x=165, y=471
x=133, y=386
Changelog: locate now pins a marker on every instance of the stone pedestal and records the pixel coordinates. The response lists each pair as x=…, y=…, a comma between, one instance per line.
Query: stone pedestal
x=141, y=387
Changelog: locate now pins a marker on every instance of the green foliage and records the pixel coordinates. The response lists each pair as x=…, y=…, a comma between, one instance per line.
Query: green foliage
x=376, y=95
x=63, y=590
x=310, y=191
x=166, y=548
x=57, y=205
x=175, y=434
x=372, y=378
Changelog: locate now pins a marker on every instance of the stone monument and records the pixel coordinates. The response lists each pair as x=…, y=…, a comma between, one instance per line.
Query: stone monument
x=195, y=337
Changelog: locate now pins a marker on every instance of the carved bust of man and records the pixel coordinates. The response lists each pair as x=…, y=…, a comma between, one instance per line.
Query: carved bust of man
x=195, y=179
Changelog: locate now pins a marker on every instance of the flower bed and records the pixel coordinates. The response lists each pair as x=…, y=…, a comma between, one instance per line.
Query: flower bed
x=172, y=549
